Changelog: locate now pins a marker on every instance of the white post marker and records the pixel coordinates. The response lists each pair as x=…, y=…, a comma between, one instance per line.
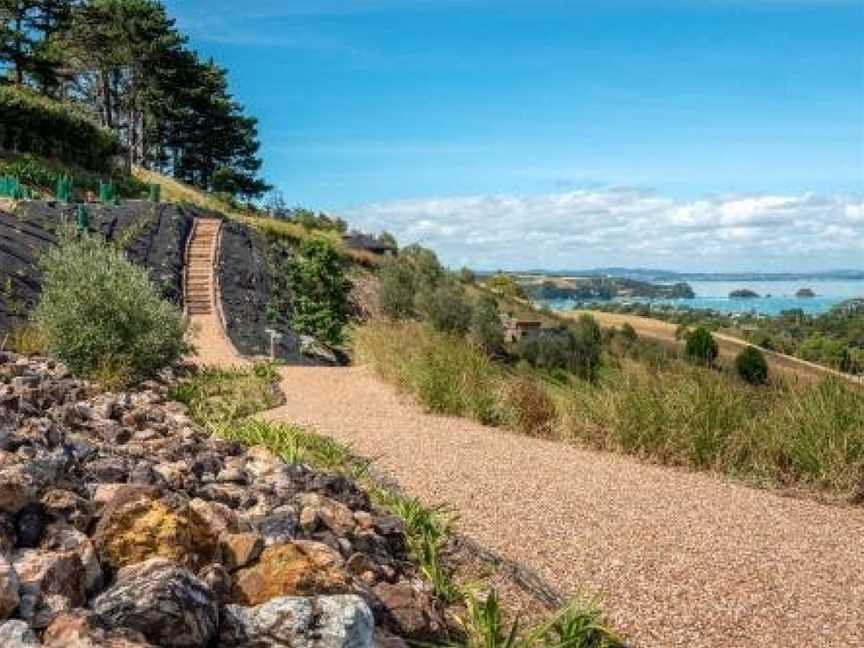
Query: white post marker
x=274, y=337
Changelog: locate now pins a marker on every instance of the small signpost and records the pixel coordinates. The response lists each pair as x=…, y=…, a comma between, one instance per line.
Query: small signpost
x=275, y=336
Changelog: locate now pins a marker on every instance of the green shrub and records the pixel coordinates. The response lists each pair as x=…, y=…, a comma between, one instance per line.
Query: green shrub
x=31, y=123
x=628, y=332
x=446, y=308
x=320, y=291
x=487, y=330
x=701, y=347
x=99, y=313
x=414, y=272
x=577, y=349
x=751, y=366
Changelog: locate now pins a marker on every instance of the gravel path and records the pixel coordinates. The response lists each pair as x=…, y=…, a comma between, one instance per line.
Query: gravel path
x=211, y=343
x=678, y=558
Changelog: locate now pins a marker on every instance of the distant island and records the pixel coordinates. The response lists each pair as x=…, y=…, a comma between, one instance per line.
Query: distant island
x=743, y=293
x=602, y=288
x=805, y=293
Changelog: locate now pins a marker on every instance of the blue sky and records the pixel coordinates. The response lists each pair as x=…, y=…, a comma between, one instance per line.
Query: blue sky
x=549, y=120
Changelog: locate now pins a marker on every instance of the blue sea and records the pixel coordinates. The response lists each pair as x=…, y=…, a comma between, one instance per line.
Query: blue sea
x=776, y=296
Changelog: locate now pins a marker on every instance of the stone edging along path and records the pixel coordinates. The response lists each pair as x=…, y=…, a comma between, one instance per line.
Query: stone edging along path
x=677, y=558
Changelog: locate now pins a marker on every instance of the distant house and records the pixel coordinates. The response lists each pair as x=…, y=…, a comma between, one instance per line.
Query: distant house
x=368, y=243
x=517, y=329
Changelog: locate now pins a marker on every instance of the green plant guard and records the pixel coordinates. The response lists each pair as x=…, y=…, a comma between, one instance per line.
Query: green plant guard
x=155, y=192
x=82, y=219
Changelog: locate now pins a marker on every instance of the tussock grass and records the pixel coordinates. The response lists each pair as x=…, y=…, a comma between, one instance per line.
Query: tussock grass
x=223, y=396
x=653, y=406
x=26, y=340
x=579, y=625
x=446, y=373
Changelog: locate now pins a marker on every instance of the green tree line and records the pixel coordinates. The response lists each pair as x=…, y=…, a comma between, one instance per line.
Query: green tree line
x=129, y=67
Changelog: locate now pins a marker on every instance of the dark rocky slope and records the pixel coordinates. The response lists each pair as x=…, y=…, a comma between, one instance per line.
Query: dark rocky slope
x=124, y=524
x=153, y=236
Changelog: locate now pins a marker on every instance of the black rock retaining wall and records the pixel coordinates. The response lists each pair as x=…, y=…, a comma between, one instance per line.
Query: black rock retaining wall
x=153, y=236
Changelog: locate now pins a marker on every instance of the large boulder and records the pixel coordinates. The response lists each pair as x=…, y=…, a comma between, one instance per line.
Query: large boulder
x=50, y=582
x=139, y=526
x=299, y=568
x=163, y=601
x=318, y=622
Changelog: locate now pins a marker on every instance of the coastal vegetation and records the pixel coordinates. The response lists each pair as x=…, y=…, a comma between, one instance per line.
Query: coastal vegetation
x=834, y=338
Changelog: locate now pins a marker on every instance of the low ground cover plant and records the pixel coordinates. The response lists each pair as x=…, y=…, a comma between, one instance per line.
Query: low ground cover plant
x=102, y=316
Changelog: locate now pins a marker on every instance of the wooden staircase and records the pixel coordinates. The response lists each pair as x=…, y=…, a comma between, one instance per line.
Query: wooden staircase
x=200, y=266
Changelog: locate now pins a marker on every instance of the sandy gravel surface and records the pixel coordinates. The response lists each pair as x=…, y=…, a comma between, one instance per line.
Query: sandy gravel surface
x=664, y=333
x=211, y=343
x=679, y=559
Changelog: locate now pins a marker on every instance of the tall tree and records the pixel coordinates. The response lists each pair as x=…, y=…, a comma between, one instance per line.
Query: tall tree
x=27, y=28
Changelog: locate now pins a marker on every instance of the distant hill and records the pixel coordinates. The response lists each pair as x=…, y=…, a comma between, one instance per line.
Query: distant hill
x=669, y=276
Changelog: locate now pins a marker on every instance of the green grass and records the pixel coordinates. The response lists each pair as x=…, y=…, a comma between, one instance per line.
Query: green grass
x=578, y=625
x=222, y=397
x=659, y=408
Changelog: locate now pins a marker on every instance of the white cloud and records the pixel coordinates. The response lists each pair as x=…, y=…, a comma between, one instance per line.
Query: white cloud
x=624, y=226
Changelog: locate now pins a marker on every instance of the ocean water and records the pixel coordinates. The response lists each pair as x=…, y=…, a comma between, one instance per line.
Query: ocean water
x=776, y=296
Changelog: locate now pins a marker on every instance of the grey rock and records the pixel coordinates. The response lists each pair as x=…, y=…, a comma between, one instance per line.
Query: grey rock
x=17, y=634
x=343, y=621
x=162, y=601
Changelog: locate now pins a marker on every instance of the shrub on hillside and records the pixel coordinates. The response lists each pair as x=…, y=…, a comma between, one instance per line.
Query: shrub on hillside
x=577, y=349
x=751, y=366
x=102, y=316
x=507, y=286
x=446, y=308
x=31, y=123
x=701, y=347
x=487, y=331
x=320, y=291
x=415, y=271
x=628, y=332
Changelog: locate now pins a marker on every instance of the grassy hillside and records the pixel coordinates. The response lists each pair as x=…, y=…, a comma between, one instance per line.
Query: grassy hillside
x=177, y=192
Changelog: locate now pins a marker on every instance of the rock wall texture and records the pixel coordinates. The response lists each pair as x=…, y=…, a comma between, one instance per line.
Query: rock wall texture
x=153, y=236
x=124, y=524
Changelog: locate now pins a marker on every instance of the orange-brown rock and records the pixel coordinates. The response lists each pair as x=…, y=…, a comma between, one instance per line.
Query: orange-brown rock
x=240, y=549
x=141, y=526
x=299, y=568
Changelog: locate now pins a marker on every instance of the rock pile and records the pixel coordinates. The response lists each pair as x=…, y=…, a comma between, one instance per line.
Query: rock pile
x=123, y=524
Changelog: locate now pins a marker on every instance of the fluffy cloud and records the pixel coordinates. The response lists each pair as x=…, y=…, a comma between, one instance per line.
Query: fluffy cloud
x=622, y=226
